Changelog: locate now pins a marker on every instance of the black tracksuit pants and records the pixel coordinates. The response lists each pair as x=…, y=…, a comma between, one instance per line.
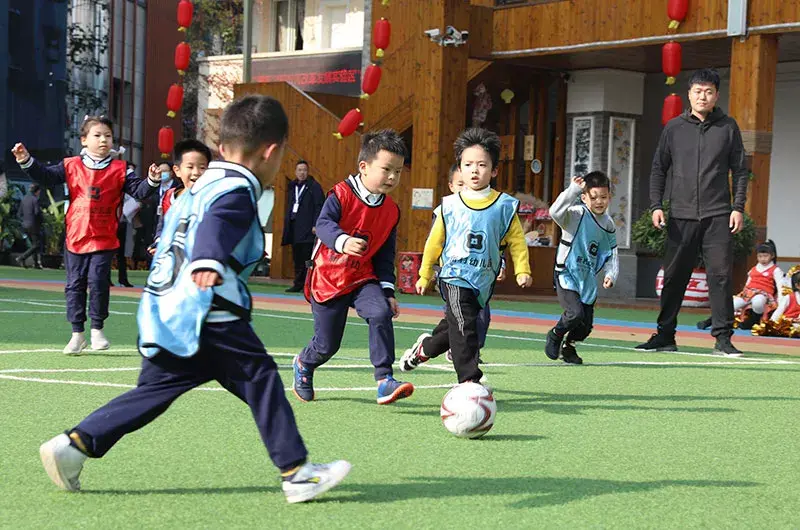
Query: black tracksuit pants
x=685, y=239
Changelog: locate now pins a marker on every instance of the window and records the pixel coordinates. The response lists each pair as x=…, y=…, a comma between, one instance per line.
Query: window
x=334, y=26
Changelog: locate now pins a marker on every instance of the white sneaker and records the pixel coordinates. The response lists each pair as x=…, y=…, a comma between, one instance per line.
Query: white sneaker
x=99, y=340
x=312, y=480
x=76, y=344
x=413, y=356
x=62, y=462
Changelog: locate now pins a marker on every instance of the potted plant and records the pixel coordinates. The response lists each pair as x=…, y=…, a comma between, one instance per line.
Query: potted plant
x=652, y=245
x=53, y=226
x=10, y=227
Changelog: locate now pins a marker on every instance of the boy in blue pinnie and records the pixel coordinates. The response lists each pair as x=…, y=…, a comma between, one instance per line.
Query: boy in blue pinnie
x=194, y=317
x=588, y=244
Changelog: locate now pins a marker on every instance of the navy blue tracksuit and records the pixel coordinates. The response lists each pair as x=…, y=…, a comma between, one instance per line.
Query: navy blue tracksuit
x=230, y=353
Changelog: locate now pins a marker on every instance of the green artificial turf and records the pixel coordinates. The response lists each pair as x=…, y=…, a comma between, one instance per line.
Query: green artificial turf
x=629, y=440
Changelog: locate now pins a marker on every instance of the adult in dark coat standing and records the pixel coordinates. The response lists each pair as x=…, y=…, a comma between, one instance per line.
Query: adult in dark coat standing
x=32, y=225
x=303, y=204
x=700, y=147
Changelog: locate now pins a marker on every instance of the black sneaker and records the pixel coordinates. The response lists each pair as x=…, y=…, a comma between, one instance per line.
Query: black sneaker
x=658, y=342
x=552, y=346
x=569, y=354
x=704, y=324
x=726, y=348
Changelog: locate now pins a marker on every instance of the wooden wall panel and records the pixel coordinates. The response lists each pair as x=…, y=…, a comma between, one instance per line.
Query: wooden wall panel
x=339, y=105
x=311, y=128
x=752, y=102
x=587, y=21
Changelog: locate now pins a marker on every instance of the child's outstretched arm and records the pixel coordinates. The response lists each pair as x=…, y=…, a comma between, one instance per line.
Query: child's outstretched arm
x=38, y=172
x=224, y=225
x=431, y=254
x=783, y=304
x=141, y=188
x=518, y=248
x=563, y=211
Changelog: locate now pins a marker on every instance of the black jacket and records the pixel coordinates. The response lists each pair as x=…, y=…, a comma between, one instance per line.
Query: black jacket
x=700, y=154
x=31, y=213
x=298, y=230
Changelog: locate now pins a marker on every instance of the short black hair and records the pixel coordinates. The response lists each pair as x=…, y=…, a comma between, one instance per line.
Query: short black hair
x=301, y=161
x=596, y=179
x=382, y=140
x=796, y=280
x=768, y=247
x=253, y=121
x=190, y=145
x=452, y=172
x=477, y=136
x=88, y=121
x=706, y=76
x=34, y=188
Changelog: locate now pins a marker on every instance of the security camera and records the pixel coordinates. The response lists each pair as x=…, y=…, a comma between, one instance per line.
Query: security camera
x=433, y=34
x=451, y=31
x=464, y=36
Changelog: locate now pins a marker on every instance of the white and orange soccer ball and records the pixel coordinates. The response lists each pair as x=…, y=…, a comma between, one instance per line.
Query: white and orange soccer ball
x=468, y=410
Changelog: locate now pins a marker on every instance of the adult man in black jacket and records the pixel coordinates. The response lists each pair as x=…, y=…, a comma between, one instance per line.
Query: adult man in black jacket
x=701, y=146
x=303, y=205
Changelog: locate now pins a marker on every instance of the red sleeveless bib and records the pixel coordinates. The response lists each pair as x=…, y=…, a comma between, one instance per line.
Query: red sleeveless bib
x=333, y=274
x=95, y=196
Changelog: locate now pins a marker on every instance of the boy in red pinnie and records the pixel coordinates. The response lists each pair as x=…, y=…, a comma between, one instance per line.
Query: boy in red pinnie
x=353, y=266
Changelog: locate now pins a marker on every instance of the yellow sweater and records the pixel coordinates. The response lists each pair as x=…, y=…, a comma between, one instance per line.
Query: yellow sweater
x=514, y=238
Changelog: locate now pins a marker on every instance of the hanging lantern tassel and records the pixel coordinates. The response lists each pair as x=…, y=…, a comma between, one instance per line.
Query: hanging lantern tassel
x=174, y=100
x=673, y=106
x=185, y=12
x=372, y=78
x=385, y=2
x=382, y=34
x=676, y=11
x=671, y=60
x=349, y=124
x=183, y=52
x=507, y=95
x=166, y=141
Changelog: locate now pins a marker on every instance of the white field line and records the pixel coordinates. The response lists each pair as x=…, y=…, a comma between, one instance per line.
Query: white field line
x=411, y=328
x=208, y=389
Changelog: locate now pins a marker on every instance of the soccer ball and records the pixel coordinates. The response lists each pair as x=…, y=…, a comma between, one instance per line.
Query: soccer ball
x=468, y=410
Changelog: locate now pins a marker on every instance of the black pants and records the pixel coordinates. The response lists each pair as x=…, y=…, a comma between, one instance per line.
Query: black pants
x=35, y=250
x=577, y=318
x=461, y=312
x=685, y=239
x=301, y=252
x=231, y=354
x=439, y=341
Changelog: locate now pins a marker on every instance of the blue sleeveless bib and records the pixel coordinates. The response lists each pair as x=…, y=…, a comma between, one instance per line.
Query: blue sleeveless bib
x=173, y=309
x=471, y=254
x=591, y=247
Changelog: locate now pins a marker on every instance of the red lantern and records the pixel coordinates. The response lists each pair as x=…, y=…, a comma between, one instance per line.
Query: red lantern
x=183, y=52
x=166, y=141
x=372, y=78
x=185, y=12
x=676, y=11
x=673, y=106
x=349, y=124
x=671, y=59
x=381, y=35
x=174, y=100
